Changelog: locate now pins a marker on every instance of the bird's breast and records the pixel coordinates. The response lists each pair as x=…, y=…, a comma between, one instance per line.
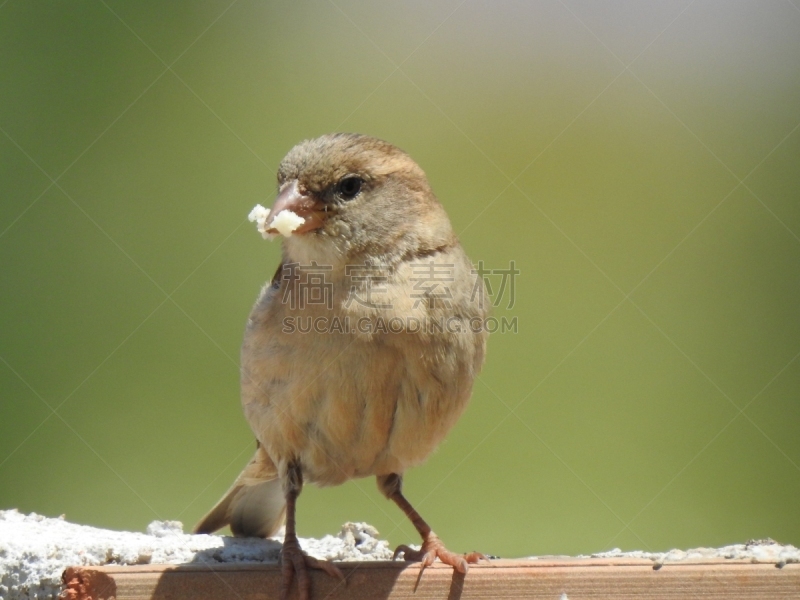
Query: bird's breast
x=349, y=407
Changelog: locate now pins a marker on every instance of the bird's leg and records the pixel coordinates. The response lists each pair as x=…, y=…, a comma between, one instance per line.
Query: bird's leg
x=295, y=562
x=432, y=547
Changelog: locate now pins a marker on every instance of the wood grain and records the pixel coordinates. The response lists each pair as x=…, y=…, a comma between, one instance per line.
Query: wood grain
x=579, y=579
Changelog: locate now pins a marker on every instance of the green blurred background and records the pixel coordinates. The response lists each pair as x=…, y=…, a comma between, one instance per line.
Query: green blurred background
x=639, y=161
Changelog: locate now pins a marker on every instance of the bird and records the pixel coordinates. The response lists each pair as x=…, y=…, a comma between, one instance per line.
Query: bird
x=360, y=353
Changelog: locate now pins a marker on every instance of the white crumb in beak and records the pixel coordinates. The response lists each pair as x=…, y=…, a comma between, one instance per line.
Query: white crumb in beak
x=259, y=216
x=286, y=222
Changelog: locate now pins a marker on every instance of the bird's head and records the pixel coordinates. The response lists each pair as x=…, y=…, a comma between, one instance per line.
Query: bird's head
x=359, y=197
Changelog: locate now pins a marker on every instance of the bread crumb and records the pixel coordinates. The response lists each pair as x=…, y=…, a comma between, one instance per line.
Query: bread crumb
x=259, y=216
x=285, y=221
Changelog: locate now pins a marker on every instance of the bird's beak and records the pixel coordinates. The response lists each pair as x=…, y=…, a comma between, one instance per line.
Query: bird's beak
x=290, y=198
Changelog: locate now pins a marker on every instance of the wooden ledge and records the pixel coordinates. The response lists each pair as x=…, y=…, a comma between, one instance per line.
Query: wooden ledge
x=548, y=579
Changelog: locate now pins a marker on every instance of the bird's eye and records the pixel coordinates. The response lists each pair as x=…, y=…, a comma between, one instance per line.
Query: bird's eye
x=349, y=187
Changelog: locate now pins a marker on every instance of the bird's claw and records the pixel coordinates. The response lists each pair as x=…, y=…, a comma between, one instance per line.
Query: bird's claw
x=433, y=548
x=295, y=563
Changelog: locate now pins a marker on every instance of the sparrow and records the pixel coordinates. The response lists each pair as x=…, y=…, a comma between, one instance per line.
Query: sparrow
x=360, y=354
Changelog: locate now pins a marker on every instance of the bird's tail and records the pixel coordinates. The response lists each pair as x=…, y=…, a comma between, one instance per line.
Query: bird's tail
x=254, y=506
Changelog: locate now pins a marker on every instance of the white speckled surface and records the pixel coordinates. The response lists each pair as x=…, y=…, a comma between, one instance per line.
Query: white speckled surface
x=758, y=551
x=34, y=550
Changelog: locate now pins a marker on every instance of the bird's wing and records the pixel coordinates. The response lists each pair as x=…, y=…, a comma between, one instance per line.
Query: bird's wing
x=254, y=506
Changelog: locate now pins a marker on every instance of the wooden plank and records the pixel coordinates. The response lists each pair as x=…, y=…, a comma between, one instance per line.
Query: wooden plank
x=579, y=579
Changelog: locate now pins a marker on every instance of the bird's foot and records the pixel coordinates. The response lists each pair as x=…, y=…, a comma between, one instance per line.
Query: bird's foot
x=295, y=564
x=433, y=548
